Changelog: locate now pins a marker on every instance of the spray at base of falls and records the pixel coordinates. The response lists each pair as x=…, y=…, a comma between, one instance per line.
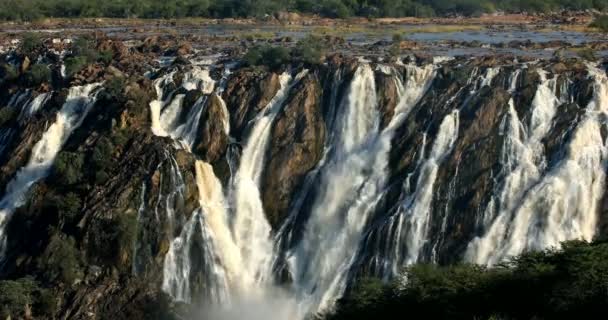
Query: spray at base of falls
x=72, y=113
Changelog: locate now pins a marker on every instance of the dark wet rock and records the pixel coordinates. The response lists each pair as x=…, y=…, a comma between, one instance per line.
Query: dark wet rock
x=212, y=140
x=464, y=189
x=296, y=146
x=247, y=93
x=387, y=97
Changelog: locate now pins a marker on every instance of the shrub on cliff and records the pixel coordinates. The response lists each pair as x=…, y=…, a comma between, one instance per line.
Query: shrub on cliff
x=8, y=73
x=7, y=114
x=600, y=22
x=270, y=56
x=68, y=205
x=23, y=294
x=68, y=167
x=310, y=49
x=37, y=74
x=30, y=42
x=60, y=261
x=16, y=296
x=73, y=65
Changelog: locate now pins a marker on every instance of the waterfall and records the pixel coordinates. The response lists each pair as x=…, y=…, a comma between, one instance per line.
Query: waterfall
x=166, y=114
x=177, y=266
x=34, y=105
x=351, y=184
x=536, y=212
x=416, y=209
x=251, y=229
x=72, y=113
x=533, y=206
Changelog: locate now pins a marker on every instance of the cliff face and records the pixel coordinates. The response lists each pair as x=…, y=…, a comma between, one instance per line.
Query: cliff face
x=341, y=170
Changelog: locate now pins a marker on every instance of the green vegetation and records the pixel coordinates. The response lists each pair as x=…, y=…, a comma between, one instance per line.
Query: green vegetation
x=101, y=158
x=587, y=54
x=68, y=206
x=309, y=50
x=60, y=261
x=73, y=65
x=8, y=73
x=571, y=283
x=7, y=114
x=37, y=74
x=68, y=167
x=27, y=10
x=30, y=42
x=271, y=56
x=601, y=23
x=18, y=295
x=83, y=53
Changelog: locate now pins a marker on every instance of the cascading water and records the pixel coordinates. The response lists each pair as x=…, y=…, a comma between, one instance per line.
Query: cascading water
x=348, y=189
x=252, y=233
x=538, y=212
x=239, y=246
x=77, y=105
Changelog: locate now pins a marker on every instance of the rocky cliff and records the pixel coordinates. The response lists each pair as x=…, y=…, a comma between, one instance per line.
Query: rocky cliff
x=320, y=173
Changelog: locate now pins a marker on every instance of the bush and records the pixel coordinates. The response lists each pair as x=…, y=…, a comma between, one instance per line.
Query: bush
x=73, y=65
x=60, y=261
x=270, y=56
x=587, y=54
x=15, y=296
x=30, y=43
x=335, y=9
x=554, y=284
x=37, y=74
x=8, y=72
x=85, y=47
x=102, y=153
x=106, y=57
x=114, y=87
x=601, y=23
x=68, y=167
x=310, y=49
x=68, y=206
x=7, y=114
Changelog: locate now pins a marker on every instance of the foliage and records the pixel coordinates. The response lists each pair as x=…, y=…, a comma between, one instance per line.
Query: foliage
x=553, y=284
x=310, y=49
x=73, y=65
x=114, y=87
x=270, y=56
x=60, y=261
x=102, y=153
x=68, y=167
x=601, y=23
x=28, y=10
x=8, y=72
x=29, y=43
x=15, y=295
x=106, y=56
x=37, y=74
x=68, y=205
x=587, y=54
x=7, y=114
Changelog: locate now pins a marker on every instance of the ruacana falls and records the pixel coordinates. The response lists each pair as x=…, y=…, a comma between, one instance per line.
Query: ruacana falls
x=303, y=160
